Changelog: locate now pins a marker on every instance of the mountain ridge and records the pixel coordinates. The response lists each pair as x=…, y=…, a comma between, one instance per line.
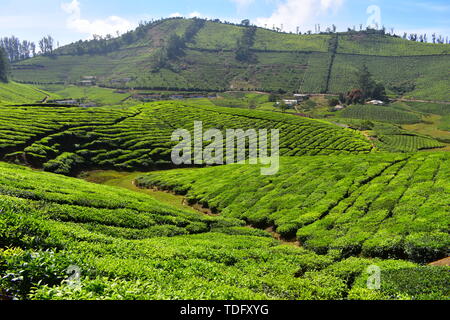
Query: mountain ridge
x=159, y=56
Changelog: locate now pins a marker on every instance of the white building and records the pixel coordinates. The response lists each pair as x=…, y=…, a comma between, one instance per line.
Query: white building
x=339, y=107
x=301, y=97
x=290, y=102
x=376, y=102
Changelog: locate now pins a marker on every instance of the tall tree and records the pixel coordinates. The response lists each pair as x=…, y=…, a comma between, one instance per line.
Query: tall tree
x=175, y=46
x=365, y=81
x=46, y=45
x=17, y=50
x=369, y=88
x=4, y=66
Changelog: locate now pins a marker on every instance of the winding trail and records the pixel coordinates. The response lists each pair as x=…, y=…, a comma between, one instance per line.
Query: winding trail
x=440, y=263
x=126, y=180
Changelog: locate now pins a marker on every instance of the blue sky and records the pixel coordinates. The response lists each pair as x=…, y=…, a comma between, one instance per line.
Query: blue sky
x=71, y=20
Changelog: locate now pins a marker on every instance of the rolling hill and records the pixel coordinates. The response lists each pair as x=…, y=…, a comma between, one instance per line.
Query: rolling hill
x=383, y=205
x=358, y=188
x=203, y=57
x=65, y=139
x=125, y=245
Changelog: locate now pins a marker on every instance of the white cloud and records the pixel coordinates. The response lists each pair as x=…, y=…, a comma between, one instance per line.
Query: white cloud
x=103, y=27
x=293, y=13
x=243, y=3
x=175, y=15
x=194, y=14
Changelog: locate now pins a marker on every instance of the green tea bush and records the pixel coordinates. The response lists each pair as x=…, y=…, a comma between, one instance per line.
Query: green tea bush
x=399, y=281
x=66, y=140
x=391, y=206
x=129, y=246
x=25, y=270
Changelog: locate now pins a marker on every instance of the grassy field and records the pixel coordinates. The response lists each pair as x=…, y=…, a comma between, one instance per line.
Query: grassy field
x=126, y=180
x=271, y=40
x=434, y=126
x=207, y=37
x=420, y=72
x=378, y=113
x=377, y=45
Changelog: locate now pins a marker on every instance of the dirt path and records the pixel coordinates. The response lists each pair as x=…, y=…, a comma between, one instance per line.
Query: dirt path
x=293, y=242
x=126, y=180
x=441, y=263
x=45, y=99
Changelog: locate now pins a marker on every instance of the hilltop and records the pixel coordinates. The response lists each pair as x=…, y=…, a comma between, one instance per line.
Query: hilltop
x=194, y=54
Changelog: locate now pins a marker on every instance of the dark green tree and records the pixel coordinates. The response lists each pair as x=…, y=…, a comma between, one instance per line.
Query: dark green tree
x=273, y=97
x=365, y=82
x=4, y=66
x=282, y=106
x=244, y=52
x=159, y=59
x=175, y=46
x=379, y=92
x=193, y=29
x=333, y=102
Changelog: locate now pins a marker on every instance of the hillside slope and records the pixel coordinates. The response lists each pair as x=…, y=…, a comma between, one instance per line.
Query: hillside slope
x=16, y=93
x=64, y=139
x=383, y=205
x=307, y=63
x=125, y=245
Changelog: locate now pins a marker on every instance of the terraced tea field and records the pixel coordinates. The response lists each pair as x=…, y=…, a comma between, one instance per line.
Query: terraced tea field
x=409, y=143
x=64, y=140
x=16, y=93
x=281, y=61
x=361, y=189
x=377, y=113
x=386, y=205
x=126, y=245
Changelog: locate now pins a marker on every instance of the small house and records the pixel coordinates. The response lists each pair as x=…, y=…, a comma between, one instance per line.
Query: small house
x=69, y=102
x=290, y=102
x=92, y=78
x=86, y=83
x=177, y=97
x=376, y=102
x=339, y=107
x=301, y=97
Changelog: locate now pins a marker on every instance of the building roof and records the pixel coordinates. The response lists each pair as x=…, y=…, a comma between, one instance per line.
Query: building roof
x=376, y=102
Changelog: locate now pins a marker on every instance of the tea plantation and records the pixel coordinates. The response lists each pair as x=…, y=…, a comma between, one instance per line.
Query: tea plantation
x=67, y=139
x=125, y=245
x=359, y=187
x=206, y=61
x=16, y=93
x=384, y=205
